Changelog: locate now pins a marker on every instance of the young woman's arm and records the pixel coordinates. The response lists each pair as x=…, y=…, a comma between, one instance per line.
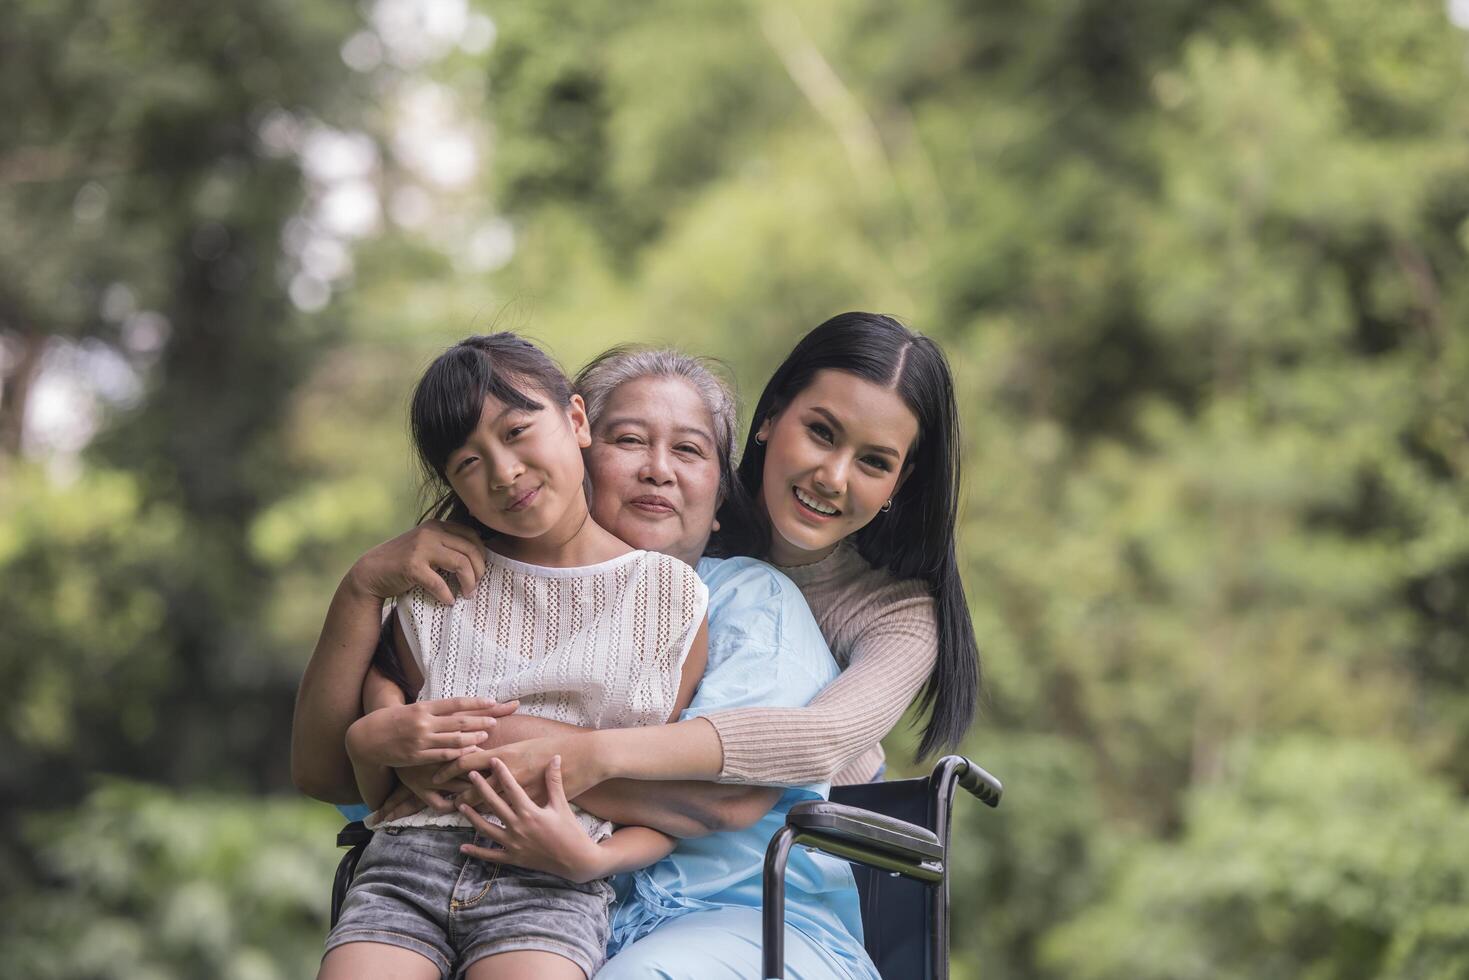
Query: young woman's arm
x=889, y=664
x=781, y=746
x=685, y=750
x=681, y=808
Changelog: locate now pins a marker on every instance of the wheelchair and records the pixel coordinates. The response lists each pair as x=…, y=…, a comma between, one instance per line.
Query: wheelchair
x=896, y=834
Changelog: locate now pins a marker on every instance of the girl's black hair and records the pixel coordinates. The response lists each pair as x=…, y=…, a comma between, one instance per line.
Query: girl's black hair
x=450, y=397
x=385, y=659
x=913, y=540
x=447, y=404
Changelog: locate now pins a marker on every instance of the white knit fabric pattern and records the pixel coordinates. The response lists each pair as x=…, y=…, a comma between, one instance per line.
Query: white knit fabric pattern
x=600, y=646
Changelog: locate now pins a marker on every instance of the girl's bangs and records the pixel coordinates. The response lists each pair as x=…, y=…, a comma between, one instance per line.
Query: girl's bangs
x=451, y=398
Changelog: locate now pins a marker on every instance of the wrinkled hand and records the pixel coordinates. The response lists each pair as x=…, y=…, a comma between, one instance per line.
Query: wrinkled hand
x=527, y=762
x=547, y=838
x=417, y=557
x=425, y=731
x=416, y=790
x=401, y=802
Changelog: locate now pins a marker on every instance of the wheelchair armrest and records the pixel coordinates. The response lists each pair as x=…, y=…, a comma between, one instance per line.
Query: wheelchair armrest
x=865, y=828
x=353, y=834
x=986, y=788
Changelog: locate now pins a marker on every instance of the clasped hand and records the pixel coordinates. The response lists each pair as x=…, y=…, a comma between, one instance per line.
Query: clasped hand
x=528, y=762
x=416, y=739
x=531, y=835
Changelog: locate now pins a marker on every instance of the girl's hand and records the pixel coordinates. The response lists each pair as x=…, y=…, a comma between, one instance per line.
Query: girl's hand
x=547, y=838
x=417, y=557
x=528, y=761
x=424, y=732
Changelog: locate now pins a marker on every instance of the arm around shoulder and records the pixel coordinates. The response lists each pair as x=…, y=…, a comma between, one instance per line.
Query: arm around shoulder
x=330, y=695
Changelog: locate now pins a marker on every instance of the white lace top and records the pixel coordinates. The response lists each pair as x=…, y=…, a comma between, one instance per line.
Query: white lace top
x=600, y=646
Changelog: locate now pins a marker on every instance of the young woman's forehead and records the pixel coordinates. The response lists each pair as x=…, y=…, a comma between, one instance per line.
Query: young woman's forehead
x=868, y=411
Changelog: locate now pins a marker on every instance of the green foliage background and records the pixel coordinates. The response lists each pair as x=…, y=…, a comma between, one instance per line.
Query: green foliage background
x=1199, y=267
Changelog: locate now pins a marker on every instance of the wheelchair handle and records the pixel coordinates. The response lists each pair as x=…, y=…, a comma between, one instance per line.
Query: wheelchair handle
x=983, y=786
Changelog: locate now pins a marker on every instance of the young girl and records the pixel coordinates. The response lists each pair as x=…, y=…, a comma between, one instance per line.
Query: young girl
x=563, y=617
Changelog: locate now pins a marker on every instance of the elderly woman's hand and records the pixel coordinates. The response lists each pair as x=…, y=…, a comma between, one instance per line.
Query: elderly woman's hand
x=416, y=790
x=417, y=558
x=526, y=761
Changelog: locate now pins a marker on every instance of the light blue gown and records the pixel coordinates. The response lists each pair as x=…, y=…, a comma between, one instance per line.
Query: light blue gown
x=696, y=913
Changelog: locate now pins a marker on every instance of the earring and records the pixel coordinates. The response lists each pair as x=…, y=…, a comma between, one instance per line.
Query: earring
x=887, y=506
x=759, y=441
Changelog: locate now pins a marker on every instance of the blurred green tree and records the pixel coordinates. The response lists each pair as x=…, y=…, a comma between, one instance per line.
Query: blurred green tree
x=1201, y=271
x=146, y=194
x=1310, y=858
x=143, y=882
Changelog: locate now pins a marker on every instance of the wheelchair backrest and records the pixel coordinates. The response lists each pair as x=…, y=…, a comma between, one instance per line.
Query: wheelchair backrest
x=897, y=913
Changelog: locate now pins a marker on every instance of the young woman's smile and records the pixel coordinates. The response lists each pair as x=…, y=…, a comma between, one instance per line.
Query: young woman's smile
x=834, y=457
x=814, y=507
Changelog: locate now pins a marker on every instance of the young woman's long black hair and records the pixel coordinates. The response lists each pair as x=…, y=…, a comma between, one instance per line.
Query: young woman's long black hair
x=913, y=540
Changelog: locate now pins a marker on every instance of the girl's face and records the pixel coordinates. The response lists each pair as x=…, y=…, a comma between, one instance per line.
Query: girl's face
x=833, y=457
x=520, y=472
x=655, y=467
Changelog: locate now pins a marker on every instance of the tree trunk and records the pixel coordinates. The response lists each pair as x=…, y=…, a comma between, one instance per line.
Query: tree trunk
x=19, y=373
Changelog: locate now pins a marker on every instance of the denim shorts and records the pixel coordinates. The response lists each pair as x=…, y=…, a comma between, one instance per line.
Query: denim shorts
x=415, y=890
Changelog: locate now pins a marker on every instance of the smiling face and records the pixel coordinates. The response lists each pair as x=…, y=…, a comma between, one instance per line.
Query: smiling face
x=520, y=471
x=655, y=468
x=833, y=457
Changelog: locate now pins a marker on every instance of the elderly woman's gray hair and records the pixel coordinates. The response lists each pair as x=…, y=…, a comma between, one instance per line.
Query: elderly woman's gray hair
x=614, y=368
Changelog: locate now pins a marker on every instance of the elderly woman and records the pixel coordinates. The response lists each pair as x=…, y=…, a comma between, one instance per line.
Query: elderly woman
x=660, y=462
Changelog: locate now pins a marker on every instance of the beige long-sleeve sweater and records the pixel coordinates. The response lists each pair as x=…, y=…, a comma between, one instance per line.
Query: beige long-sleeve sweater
x=884, y=635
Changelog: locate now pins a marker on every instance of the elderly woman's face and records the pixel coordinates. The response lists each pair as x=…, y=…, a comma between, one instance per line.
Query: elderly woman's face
x=654, y=465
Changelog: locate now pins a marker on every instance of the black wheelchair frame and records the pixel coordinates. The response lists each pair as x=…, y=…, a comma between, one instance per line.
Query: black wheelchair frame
x=896, y=833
